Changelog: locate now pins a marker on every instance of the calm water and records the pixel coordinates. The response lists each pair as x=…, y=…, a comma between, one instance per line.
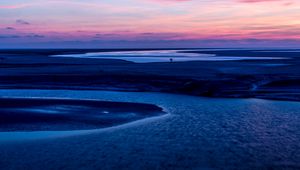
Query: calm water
x=161, y=56
x=197, y=132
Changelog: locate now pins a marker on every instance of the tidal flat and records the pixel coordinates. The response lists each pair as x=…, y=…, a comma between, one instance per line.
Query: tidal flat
x=217, y=109
x=244, y=73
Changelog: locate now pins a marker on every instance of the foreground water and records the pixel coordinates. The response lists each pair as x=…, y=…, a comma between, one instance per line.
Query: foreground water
x=196, y=133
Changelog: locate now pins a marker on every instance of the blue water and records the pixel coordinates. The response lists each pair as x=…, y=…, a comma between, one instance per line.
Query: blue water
x=197, y=133
x=160, y=56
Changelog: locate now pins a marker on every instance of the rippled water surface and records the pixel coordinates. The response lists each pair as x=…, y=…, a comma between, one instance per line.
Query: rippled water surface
x=197, y=133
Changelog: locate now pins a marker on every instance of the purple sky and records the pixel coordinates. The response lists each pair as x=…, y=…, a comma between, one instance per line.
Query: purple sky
x=149, y=23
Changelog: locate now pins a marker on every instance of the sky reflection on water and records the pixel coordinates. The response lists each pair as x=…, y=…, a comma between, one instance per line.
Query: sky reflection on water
x=161, y=56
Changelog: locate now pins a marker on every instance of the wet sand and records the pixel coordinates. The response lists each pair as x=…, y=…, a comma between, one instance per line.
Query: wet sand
x=65, y=114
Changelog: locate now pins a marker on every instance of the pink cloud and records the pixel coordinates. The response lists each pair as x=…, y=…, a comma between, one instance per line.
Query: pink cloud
x=12, y=6
x=255, y=1
x=245, y=1
x=170, y=1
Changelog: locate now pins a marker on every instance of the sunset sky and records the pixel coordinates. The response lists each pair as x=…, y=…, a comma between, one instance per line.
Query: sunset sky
x=149, y=23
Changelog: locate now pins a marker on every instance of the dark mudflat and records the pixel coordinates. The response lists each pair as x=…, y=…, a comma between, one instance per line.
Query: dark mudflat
x=272, y=79
x=59, y=114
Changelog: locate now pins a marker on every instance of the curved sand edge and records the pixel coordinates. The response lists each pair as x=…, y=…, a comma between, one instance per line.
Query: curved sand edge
x=36, y=114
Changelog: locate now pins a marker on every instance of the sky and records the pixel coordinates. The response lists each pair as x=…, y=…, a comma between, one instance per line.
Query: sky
x=149, y=23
